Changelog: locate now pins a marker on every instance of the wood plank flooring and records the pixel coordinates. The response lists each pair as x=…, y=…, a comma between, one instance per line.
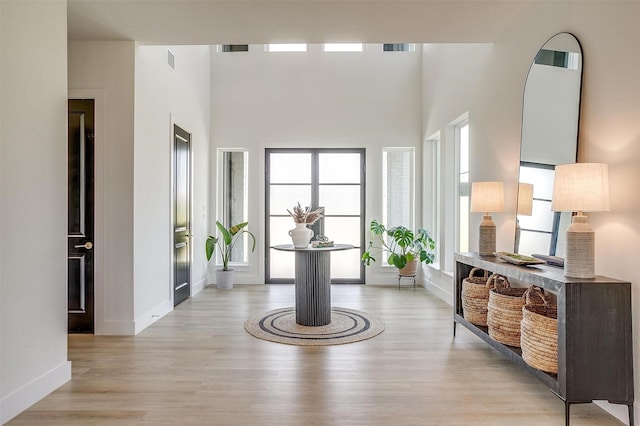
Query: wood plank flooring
x=197, y=366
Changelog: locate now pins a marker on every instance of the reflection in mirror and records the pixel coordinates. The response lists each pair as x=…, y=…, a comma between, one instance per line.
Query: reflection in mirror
x=551, y=111
x=233, y=195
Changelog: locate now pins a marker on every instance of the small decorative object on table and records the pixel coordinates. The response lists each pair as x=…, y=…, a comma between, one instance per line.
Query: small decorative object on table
x=551, y=260
x=321, y=241
x=301, y=235
x=518, y=259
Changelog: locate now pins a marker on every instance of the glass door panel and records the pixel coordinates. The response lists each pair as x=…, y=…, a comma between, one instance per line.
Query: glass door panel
x=340, y=199
x=345, y=230
x=339, y=168
x=329, y=178
x=283, y=197
x=290, y=167
x=345, y=265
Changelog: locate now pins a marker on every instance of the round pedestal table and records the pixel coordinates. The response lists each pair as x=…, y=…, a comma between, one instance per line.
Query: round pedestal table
x=313, y=283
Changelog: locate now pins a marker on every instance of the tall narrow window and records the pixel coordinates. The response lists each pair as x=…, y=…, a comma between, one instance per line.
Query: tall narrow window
x=233, y=195
x=431, y=205
x=398, y=187
x=329, y=178
x=462, y=143
x=398, y=195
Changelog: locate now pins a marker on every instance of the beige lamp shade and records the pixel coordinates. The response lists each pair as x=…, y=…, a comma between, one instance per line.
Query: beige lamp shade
x=581, y=187
x=525, y=199
x=487, y=197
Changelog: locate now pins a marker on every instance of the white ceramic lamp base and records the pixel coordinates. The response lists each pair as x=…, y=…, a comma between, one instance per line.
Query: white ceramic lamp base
x=487, y=237
x=579, y=259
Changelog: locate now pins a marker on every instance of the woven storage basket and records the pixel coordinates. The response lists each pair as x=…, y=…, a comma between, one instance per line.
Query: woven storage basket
x=505, y=311
x=539, y=332
x=475, y=297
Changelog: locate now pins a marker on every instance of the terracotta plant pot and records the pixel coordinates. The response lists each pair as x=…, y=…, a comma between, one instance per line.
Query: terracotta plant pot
x=410, y=269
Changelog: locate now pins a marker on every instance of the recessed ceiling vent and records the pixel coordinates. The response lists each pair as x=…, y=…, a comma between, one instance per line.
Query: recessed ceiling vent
x=396, y=47
x=171, y=59
x=235, y=47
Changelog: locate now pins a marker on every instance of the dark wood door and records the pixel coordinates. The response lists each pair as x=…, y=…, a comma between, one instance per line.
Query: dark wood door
x=80, y=258
x=181, y=215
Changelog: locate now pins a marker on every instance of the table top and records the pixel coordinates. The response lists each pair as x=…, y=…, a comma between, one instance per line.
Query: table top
x=336, y=247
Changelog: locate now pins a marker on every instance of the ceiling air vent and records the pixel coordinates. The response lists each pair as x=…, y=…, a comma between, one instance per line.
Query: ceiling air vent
x=396, y=47
x=235, y=47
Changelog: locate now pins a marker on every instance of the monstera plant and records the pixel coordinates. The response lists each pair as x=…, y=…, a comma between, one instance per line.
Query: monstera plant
x=401, y=244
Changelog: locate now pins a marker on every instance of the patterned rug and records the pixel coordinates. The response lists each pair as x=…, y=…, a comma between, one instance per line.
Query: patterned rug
x=347, y=326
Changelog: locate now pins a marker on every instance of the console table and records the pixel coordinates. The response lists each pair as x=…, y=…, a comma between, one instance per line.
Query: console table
x=595, y=344
x=313, y=283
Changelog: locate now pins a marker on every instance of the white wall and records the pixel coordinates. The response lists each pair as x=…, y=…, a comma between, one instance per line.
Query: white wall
x=107, y=69
x=315, y=99
x=450, y=92
x=609, y=127
x=33, y=215
x=165, y=96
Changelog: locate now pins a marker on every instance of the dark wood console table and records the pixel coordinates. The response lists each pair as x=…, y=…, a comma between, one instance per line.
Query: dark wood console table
x=595, y=344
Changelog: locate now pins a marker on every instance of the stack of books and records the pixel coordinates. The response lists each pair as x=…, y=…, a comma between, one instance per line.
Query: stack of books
x=321, y=244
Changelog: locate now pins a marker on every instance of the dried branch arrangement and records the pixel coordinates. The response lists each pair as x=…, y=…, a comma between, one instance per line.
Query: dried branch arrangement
x=305, y=215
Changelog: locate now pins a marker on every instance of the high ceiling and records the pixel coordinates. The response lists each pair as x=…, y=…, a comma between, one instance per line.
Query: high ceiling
x=316, y=21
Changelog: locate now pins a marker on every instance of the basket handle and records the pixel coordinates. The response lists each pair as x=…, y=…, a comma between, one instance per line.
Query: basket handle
x=537, y=292
x=473, y=271
x=491, y=280
x=500, y=282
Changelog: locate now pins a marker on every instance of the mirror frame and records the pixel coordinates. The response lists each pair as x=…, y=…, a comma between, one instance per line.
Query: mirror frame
x=559, y=219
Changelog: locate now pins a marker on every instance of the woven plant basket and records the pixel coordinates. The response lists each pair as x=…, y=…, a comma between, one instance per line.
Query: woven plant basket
x=539, y=332
x=475, y=297
x=505, y=311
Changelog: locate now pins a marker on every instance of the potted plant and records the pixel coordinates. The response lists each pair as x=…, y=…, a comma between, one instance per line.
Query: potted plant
x=405, y=247
x=224, y=276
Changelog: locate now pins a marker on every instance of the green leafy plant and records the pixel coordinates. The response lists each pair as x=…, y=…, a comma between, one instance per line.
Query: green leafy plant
x=402, y=244
x=228, y=240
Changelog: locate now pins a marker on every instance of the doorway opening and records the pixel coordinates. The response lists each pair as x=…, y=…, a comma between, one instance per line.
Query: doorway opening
x=181, y=215
x=80, y=213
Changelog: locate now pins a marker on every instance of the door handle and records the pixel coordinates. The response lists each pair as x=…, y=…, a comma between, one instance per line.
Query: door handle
x=88, y=245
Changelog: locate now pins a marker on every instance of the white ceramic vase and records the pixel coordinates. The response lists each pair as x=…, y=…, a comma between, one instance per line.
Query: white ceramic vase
x=301, y=235
x=224, y=279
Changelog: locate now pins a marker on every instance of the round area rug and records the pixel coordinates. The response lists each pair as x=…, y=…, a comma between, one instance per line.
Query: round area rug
x=347, y=326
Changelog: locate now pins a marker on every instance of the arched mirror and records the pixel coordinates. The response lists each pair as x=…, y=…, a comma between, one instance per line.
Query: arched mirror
x=550, y=116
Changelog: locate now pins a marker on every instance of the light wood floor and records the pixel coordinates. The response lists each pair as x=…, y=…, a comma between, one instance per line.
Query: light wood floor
x=197, y=366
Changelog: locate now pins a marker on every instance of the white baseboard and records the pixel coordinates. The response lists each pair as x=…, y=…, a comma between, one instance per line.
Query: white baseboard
x=440, y=293
x=23, y=398
x=151, y=316
x=438, y=283
x=115, y=328
x=198, y=287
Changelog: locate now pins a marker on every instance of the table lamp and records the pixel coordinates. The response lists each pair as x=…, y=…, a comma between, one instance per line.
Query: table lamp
x=580, y=187
x=525, y=208
x=487, y=197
